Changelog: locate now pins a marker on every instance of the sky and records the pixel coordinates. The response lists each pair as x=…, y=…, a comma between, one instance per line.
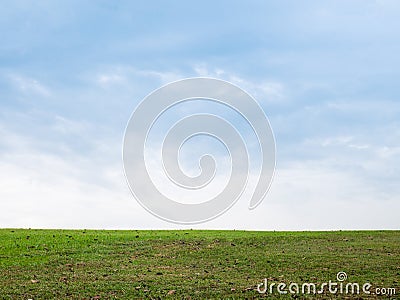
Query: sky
x=326, y=73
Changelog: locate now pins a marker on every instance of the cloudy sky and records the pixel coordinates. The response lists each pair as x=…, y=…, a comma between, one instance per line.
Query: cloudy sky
x=325, y=73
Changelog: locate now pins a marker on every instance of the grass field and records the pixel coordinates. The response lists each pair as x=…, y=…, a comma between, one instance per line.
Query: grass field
x=190, y=264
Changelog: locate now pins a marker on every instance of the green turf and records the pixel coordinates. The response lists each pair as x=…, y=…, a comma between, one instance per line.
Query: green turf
x=189, y=264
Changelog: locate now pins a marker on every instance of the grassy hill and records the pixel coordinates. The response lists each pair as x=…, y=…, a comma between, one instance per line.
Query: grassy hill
x=191, y=264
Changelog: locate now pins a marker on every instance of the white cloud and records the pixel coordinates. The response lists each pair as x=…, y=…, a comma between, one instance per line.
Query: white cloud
x=341, y=185
x=339, y=140
x=268, y=91
x=39, y=189
x=326, y=76
x=64, y=125
x=164, y=77
x=308, y=196
x=107, y=79
x=387, y=152
x=109, y=76
x=30, y=85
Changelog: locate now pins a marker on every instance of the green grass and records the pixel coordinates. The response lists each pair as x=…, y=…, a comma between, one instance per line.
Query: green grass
x=189, y=264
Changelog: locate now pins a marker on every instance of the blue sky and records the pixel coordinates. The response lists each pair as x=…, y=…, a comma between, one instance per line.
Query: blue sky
x=326, y=74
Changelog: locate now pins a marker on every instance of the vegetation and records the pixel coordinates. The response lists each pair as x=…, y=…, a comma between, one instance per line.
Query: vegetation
x=190, y=264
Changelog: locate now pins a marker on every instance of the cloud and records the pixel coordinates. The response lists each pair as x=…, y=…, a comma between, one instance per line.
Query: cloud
x=56, y=181
x=58, y=191
x=324, y=72
x=164, y=77
x=310, y=196
x=107, y=79
x=64, y=190
x=265, y=91
x=29, y=85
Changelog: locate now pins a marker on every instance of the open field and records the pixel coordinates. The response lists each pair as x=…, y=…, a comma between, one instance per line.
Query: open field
x=190, y=264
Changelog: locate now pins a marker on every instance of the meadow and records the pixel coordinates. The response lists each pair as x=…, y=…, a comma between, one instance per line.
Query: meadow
x=191, y=264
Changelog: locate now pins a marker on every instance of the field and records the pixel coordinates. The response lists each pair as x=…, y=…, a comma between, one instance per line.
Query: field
x=191, y=264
